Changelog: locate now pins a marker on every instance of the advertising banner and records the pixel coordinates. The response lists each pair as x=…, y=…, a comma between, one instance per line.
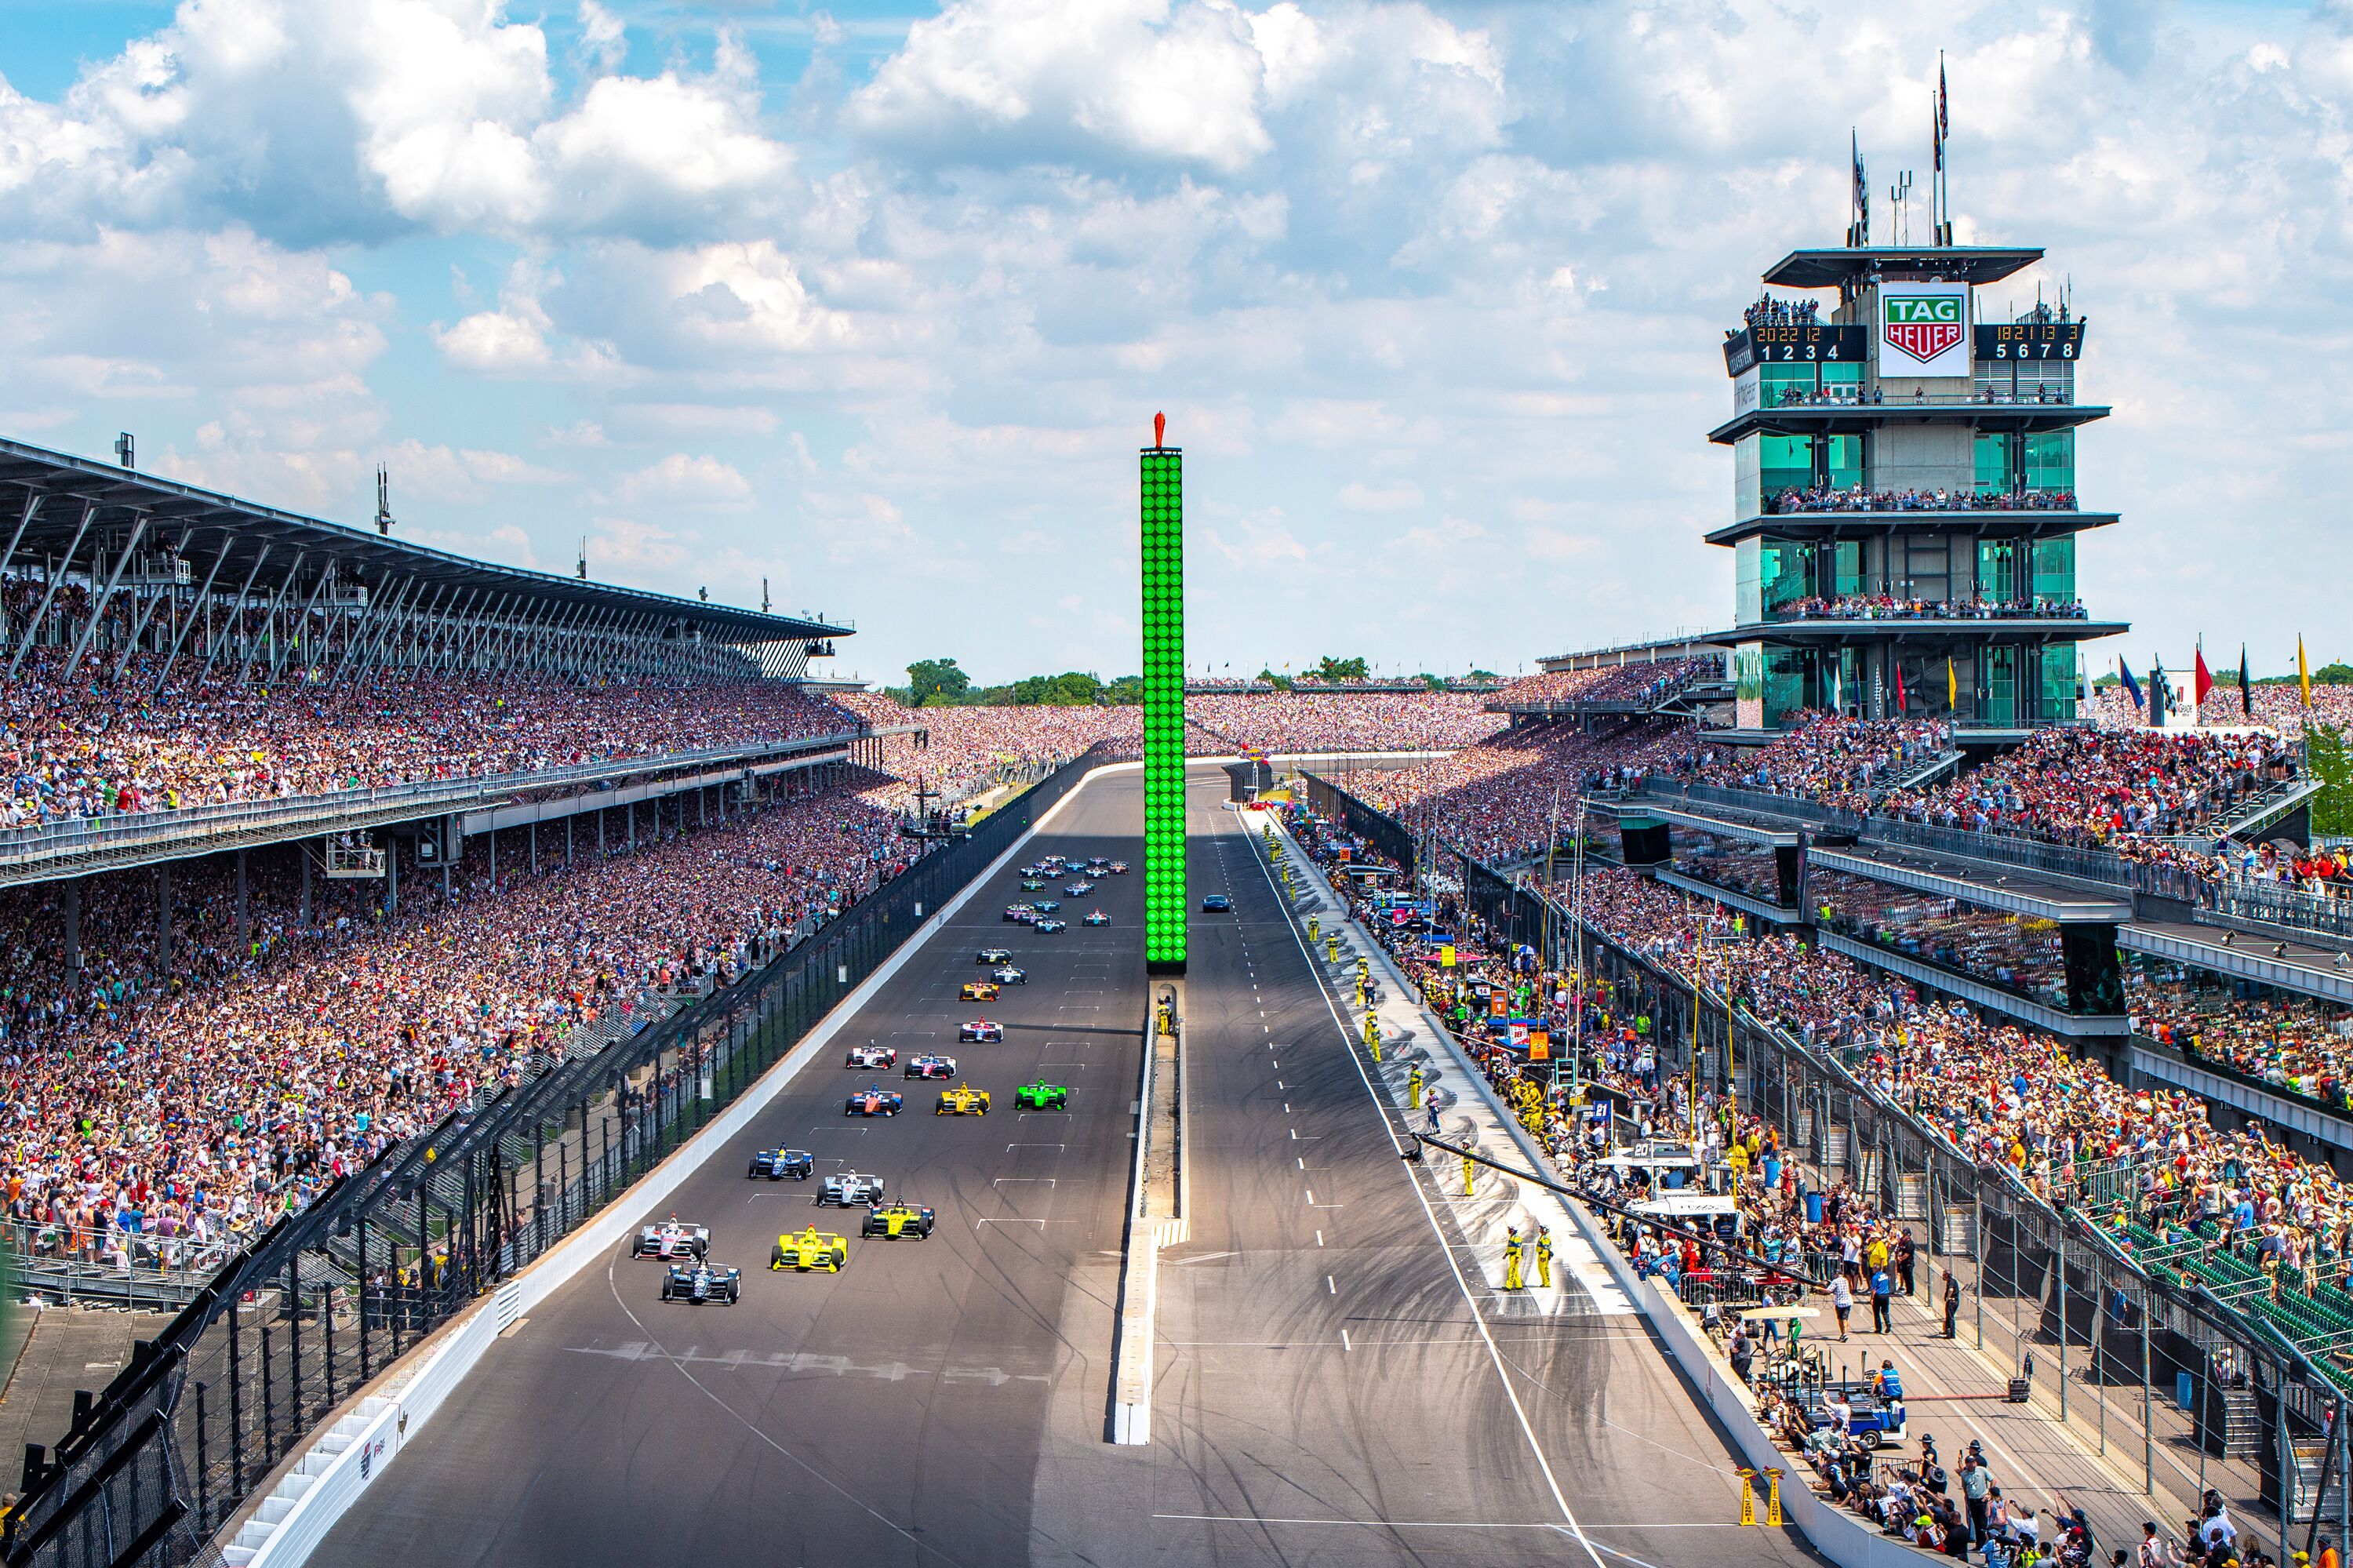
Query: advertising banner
x=1923, y=329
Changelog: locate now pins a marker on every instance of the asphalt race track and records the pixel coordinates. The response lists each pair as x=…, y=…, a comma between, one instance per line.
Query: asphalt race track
x=1330, y=1388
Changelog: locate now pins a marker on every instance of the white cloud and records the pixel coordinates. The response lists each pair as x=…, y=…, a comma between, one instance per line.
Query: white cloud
x=1396, y=496
x=460, y=477
x=687, y=481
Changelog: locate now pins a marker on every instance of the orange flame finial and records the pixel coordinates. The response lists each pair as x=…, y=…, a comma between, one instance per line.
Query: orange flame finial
x=1159, y=430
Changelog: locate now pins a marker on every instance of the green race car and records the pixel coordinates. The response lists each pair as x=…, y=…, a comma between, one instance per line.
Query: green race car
x=1043, y=1095
x=1030, y=885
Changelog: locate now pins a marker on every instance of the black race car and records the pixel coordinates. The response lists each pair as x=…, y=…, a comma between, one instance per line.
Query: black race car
x=1217, y=904
x=701, y=1281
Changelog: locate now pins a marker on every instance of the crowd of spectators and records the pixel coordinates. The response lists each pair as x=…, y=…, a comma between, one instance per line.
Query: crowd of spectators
x=2300, y=1045
x=1499, y=800
x=1828, y=758
x=153, y=1108
x=1855, y=498
x=1887, y=607
x=1306, y=721
x=2074, y=784
x=91, y=746
x=1771, y=312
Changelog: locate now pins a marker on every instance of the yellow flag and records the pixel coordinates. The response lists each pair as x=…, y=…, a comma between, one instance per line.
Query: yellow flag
x=2303, y=673
x=1952, y=686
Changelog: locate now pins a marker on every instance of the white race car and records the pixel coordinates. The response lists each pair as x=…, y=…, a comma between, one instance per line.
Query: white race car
x=871, y=1055
x=669, y=1239
x=848, y=1189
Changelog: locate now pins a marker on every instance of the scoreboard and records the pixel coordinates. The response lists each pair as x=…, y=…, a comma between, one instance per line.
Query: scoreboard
x=2030, y=340
x=1795, y=343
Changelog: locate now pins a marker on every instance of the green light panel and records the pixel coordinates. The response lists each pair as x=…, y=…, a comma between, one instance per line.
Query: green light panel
x=1164, y=709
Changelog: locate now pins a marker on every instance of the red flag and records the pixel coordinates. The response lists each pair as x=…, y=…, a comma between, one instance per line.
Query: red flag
x=2205, y=678
x=1899, y=689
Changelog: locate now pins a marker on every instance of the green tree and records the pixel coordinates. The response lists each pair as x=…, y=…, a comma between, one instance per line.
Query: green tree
x=935, y=678
x=1071, y=689
x=1334, y=671
x=2333, y=674
x=1280, y=682
x=2331, y=763
x=1127, y=692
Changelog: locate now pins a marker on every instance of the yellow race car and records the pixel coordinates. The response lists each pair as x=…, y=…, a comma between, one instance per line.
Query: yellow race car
x=897, y=1221
x=812, y=1248
x=978, y=991
x=963, y=1100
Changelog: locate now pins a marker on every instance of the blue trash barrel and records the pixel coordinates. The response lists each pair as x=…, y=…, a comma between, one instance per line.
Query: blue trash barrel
x=1813, y=1208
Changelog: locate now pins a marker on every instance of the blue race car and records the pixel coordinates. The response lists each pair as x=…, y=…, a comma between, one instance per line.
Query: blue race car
x=784, y=1164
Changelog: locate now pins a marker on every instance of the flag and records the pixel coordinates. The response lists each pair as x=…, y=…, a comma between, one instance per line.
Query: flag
x=2131, y=687
x=1952, y=686
x=1935, y=132
x=1899, y=689
x=2303, y=673
x=1860, y=203
x=1943, y=109
x=2246, y=686
x=2204, y=681
x=2158, y=695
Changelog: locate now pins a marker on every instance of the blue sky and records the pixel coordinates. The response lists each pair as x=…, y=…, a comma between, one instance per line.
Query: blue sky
x=876, y=301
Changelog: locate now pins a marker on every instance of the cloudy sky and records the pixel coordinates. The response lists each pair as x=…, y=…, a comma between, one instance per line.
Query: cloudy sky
x=877, y=302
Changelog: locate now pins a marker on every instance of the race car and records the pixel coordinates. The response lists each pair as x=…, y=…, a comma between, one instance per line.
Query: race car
x=1030, y=885
x=784, y=1164
x=1216, y=903
x=1097, y=917
x=669, y=1239
x=701, y=1281
x=932, y=1067
x=872, y=1100
x=981, y=1029
x=977, y=990
x=994, y=956
x=1006, y=974
x=1021, y=913
x=812, y=1248
x=897, y=1222
x=1117, y=868
x=1046, y=906
x=848, y=1189
x=1043, y=1095
x=1050, y=926
x=871, y=1055
x=1078, y=889
x=963, y=1100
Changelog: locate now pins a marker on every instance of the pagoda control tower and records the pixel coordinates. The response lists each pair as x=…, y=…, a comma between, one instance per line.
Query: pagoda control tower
x=1905, y=508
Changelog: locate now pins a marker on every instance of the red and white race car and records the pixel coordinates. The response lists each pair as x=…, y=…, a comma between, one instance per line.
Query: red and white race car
x=871, y=1055
x=669, y=1239
x=981, y=1029
x=932, y=1065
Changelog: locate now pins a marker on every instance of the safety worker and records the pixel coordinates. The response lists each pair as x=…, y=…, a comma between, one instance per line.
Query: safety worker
x=1544, y=1257
x=1511, y=1259
x=1413, y=1088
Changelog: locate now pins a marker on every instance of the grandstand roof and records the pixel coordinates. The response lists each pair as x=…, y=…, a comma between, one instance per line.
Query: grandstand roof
x=1959, y=263
x=64, y=485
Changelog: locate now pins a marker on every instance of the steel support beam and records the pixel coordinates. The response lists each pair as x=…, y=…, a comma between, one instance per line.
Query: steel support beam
x=180, y=634
x=33, y=627
x=114, y=580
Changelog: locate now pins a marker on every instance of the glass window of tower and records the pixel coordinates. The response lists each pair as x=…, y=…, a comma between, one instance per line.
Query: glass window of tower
x=1785, y=462
x=1843, y=381
x=2056, y=701
x=2054, y=569
x=1850, y=567
x=2049, y=460
x=2000, y=703
x=1996, y=473
x=1842, y=461
x=1785, y=572
x=1998, y=570
x=1782, y=384
x=1748, y=599
x=1788, y=684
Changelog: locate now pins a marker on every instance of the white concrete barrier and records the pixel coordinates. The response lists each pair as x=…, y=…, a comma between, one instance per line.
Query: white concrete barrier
x=315, y=1490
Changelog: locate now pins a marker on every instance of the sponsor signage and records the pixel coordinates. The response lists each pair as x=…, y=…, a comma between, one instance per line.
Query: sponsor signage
x=1923, y=329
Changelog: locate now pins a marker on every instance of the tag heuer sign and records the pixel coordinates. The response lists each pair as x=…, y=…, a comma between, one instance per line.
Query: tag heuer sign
x=1924, y=328
x=1923, y=325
